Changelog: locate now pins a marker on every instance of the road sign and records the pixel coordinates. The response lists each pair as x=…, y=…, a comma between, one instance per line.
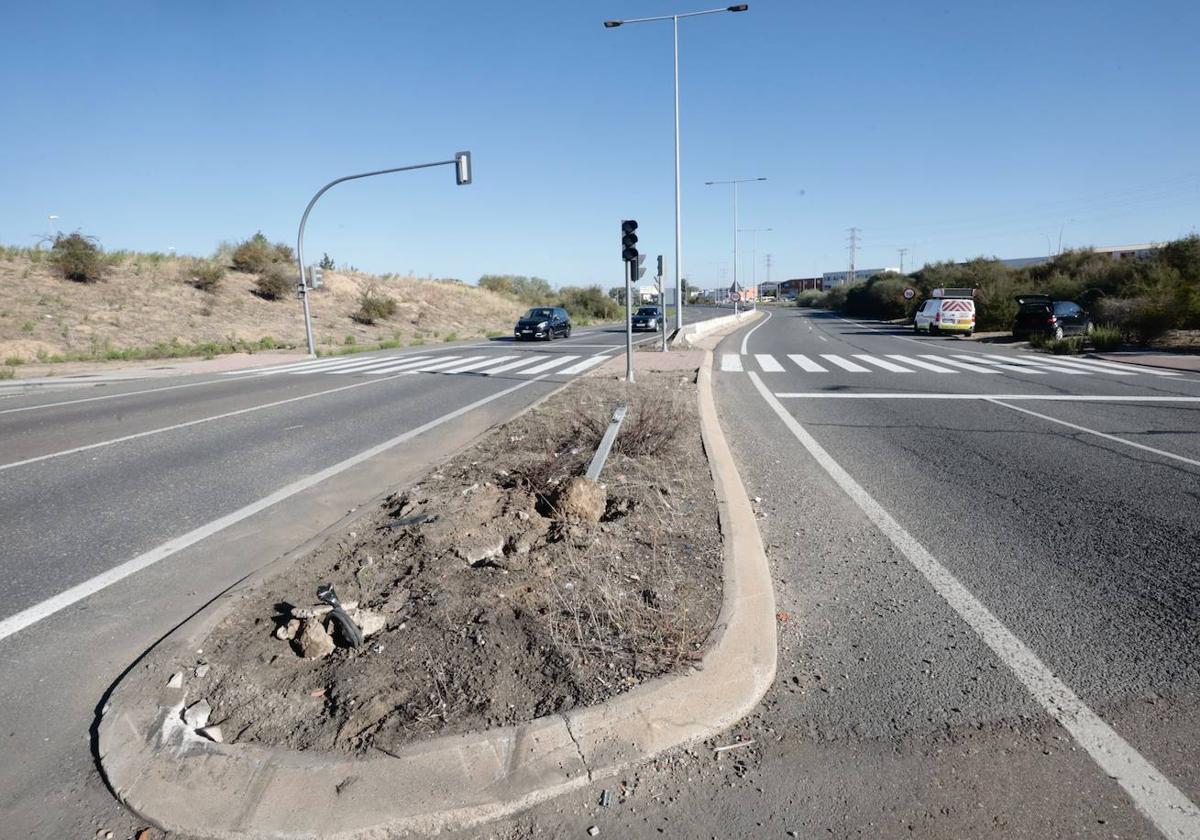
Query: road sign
x=735, y=296
x=909, y=294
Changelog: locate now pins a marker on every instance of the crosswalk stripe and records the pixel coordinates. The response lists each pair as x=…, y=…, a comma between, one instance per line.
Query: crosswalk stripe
x=436, y=366
x=580, y=367
x=1098, y=366
x=908, y=360
x=973, y=368
x=806, y=364
x=994, y=362
x=767, y=362
x=731, y=362
x=364, y=365
x=1043, y=365
x=530, y=359
x=883, y=363
x=553, y=363
x=487, y=360
x=845, y=364
x=407, y=364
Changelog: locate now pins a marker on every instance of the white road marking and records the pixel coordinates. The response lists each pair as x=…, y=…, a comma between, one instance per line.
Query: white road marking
x=580, y=367
x=113, y=396
x=409, y=365
x=379, y=364
x=731, y=362
x=767, y=362
x=19, y=621
x=806, y=364
x=996, y=362
x=750, y=332
x=845, y=364
x=552, y=363
x=1103, y=367
x=942, y=360
x=478, y=364
x=512, y=365
x=823, y=338
x=1152, y=793
x=904, y=395
x=909, y=360
x=187, y=424
x=436, y=366
x=1104, y=435
x=1030, y=363
x=883, y=363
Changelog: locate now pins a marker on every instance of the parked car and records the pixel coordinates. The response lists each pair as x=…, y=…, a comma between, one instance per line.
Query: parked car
x=647, y=318
x=543, y=322
x=1043, y=315
x=945, y=314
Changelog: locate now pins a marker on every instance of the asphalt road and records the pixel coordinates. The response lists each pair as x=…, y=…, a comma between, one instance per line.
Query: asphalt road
x=989, y=604
x=129, y=505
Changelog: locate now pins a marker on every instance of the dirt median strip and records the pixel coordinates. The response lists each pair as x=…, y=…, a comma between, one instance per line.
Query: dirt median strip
x=188, y=784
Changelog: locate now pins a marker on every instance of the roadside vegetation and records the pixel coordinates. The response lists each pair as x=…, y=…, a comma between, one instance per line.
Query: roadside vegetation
x=1138, y=301
x=587, y=304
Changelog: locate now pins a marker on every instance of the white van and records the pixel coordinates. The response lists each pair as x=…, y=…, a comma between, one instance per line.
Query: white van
x=949, y=310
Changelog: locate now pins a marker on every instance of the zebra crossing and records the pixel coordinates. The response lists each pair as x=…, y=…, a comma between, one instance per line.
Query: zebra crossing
x=519, y=365
x=978, y=363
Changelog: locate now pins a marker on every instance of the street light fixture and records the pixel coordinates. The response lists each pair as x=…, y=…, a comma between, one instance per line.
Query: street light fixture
x=613, y=24
x=462, y=176
x=734, y=183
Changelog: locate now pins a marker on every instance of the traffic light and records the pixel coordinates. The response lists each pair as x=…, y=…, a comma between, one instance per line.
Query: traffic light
x=629, y=240
x=641, y=269
x=660, y=266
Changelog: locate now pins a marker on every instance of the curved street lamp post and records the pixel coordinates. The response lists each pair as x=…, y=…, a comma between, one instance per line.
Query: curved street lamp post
x=462, y=176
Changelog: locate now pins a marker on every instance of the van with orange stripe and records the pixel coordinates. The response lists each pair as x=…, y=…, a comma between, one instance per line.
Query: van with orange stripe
x=946, y=310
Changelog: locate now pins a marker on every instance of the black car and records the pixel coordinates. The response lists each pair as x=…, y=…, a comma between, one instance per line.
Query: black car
x=543, y=322
x=1055, y=318
x=647, y=318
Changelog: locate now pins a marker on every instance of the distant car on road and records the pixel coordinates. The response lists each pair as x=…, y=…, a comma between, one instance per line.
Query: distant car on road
x=1043, y=315
x=543, y=322
x=945, y=314
x=648, y=318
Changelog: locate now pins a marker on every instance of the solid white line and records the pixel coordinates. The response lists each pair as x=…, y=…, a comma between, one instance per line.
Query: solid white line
x=886, y=365
x=473, y=365
x=1161, y=802
x=731, y=362
x=767, y=362
x=553, y=363
x=32, y=615
x=512, y=365
x=903, y=395
x=942, y=360
x=845, y=364
x=806, y=364
x=750, y=332
x=580, y=367
x=1104, y=435
x=176, y=426
x=909, y=360
x=997, y=363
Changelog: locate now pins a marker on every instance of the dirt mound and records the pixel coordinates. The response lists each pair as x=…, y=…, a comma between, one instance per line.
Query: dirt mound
x=496, y=608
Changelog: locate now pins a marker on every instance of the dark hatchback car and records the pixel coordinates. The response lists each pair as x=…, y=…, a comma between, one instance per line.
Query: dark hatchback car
x=546, y=322
x=647, y=318
x=1041, y=314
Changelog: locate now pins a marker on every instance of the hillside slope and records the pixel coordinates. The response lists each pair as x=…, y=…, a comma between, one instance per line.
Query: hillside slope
x=144, y=307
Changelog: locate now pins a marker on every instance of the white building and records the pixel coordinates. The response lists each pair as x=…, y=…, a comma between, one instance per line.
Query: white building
x=831, y=279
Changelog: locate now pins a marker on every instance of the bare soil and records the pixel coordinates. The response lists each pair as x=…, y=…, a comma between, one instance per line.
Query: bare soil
x=144, y=300
x=499, y=608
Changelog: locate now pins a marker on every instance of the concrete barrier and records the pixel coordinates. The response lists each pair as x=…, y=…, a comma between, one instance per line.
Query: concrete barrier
x=687, y=336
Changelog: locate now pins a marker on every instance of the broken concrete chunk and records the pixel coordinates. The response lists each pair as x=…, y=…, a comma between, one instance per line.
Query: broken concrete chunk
x=196, y=715
x=369, y=622
x=582, y=499
x=288, y=631
x=320, y=610
x=176, y=680
x=201, y=670
x=593, y=831
x=313, y=642
x=213, y=733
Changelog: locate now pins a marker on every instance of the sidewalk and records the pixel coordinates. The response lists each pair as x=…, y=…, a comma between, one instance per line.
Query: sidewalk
x=1150, y=358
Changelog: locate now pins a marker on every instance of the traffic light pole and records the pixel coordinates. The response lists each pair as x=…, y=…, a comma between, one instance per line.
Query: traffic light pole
x=630, y=268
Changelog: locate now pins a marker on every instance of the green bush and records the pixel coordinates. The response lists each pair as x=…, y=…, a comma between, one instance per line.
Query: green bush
x=205, y=275
x=373, y=306
x=257, y=254
x=1072, y=346
x=1151, y=318
x=1105, y=338
x=7, y=373
x=78, y=258
x=589, y=303
x=275, y=282
x=533, y=291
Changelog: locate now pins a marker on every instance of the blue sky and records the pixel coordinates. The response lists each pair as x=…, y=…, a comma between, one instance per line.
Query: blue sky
x=952, y=129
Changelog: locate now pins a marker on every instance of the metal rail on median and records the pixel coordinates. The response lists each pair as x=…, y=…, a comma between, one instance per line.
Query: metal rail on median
x=606, y=442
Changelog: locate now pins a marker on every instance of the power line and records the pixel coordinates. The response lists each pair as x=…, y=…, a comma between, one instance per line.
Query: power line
x=902, y=252
x=852, y=247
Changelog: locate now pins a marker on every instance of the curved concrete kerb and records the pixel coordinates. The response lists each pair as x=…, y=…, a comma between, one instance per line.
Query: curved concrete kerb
x=185, y=783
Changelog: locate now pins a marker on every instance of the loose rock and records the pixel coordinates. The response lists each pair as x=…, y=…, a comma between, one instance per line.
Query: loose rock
x=201, y=670
x=176, y=680
x=212, y=733
x=582, y=499
x=197, y=714
x=313, y=642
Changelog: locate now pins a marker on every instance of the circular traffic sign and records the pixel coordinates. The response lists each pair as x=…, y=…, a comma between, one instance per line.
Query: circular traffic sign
x=909, y=294
x=735, y=296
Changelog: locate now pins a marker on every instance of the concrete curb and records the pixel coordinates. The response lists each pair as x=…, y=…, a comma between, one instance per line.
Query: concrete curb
x=692, y=332
x=186, y=784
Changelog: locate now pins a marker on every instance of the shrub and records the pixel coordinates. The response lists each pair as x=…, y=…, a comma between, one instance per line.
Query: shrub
x=589, y=303
x=808, y=297
x=1151, y=318
x=450, y=336
x=1072, y=346
x=326, y=263
x=78, y=258
x=205, y=275
x=13, y=361
x=373, y=306
x=274, y=283
x=1106, y=338
x=7, y=373
x=254, y=256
